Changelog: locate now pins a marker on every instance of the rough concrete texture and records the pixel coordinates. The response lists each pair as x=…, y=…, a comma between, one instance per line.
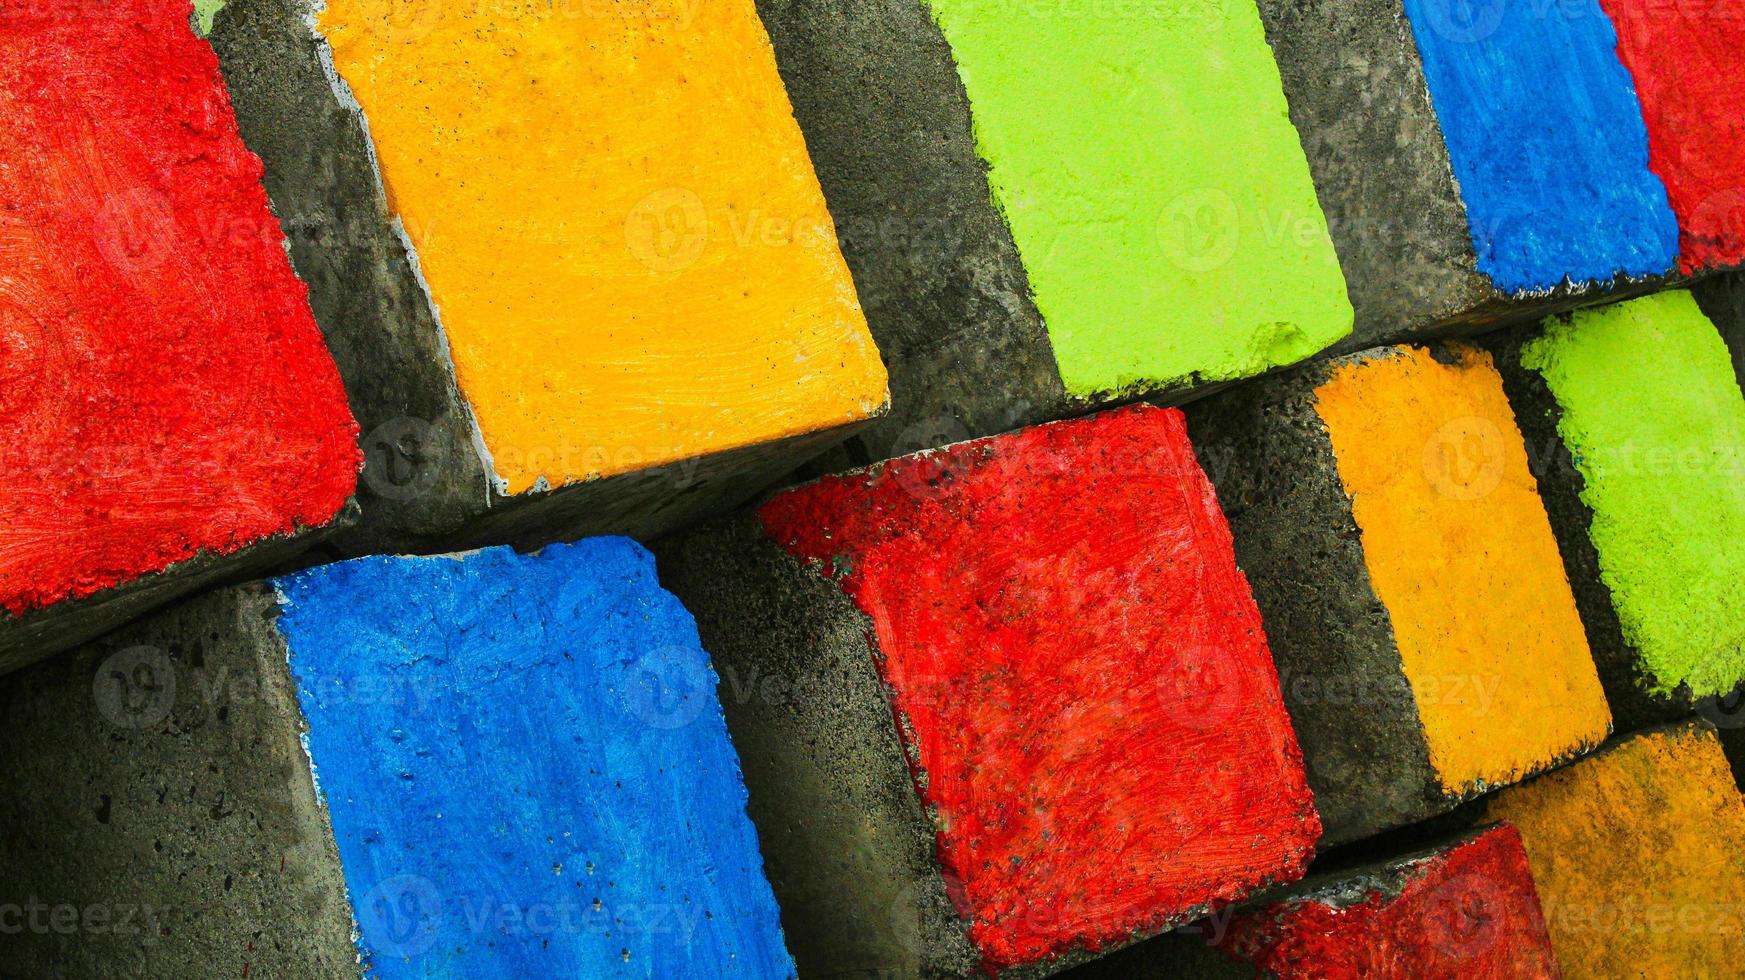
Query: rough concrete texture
x=1461, y=903
x=846, y=844
x=170, y=410
x=1270, y=457
x=159, y=805
x=1360, y=99
x=425, y=487
x=890, y=130
x=1404, y=703
x=1156, y=265
x=1461, y=552
x=1466, y=908
x=1051, y=674
x=1638, y=854
x=1047, y=725
x=1357, y=95
x=888, y=124
x=41, y=633
x=1546, y=137
x=1640, y=485
x=1722, y=300
x=606, y=835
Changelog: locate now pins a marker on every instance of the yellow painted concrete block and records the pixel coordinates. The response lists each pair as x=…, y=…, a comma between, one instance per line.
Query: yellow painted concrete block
x=618, y=223
x=1460, y=551
x=1638, y=853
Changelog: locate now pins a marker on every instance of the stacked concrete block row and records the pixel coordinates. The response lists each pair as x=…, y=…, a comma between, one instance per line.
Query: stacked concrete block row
x=393, y=767
x=530, y=353
x=1061, y=206
x=1627, y=863
x=1003, y=705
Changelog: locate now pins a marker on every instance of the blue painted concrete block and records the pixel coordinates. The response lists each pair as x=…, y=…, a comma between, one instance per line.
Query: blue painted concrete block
x=1547, y=141
x=527, y=768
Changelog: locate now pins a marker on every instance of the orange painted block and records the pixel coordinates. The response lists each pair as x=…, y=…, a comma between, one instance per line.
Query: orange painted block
x=1460, y=550
x=1638, y=853
x=618, y=225
x=1426, y=633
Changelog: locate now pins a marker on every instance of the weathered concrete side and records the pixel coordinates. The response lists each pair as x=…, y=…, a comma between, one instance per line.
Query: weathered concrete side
x=888, y=123
x=1271, y=459
x=159, y=811
x=1722, y=299
x=846, y=845
x=41, y=633
x=425, y=486
x=1560, y=486
x=422, y=477
x=1667, y=466
x=1358, y=97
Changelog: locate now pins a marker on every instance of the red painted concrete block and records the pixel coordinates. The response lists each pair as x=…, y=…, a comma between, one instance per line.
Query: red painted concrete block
x=1082, y=690
x=1688, y=62
x=1468, y=910
x=164, y=390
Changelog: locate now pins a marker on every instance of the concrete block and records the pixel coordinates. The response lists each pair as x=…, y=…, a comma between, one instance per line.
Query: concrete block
x=1003, y=705
x=1687, y=61
x=1640, y=465
x=478, y=763
x=1464, y=908
x=169, y=412
x=1479, y=164
x=572, y=258
x=1426, y=635
x=1040, y=207
x=1638, y=854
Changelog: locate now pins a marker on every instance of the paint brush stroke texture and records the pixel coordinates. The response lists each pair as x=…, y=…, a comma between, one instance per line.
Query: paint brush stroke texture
x=1081, y=674
x=1659, y=440
x=1688, y=61
x=1154, y=185
x=164, y=389
x=1547, y=141
x=527, y=768
x=1638, y=854
x=1460, y=550
x=619, y=225
x=1468, y=911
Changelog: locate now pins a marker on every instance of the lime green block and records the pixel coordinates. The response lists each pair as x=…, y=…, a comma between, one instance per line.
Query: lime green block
x=1653, y=415
x=204, y=13
x=1144, y=159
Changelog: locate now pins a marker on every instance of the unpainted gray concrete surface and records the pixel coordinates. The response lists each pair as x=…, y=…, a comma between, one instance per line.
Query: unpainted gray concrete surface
x=845, y=841
x=890, y=131
x=424, y=487
x=1560, y=486
x=888, y=124
x=160, y=819
x=1271, y=459
x=42, y=633
x=1189, y=954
